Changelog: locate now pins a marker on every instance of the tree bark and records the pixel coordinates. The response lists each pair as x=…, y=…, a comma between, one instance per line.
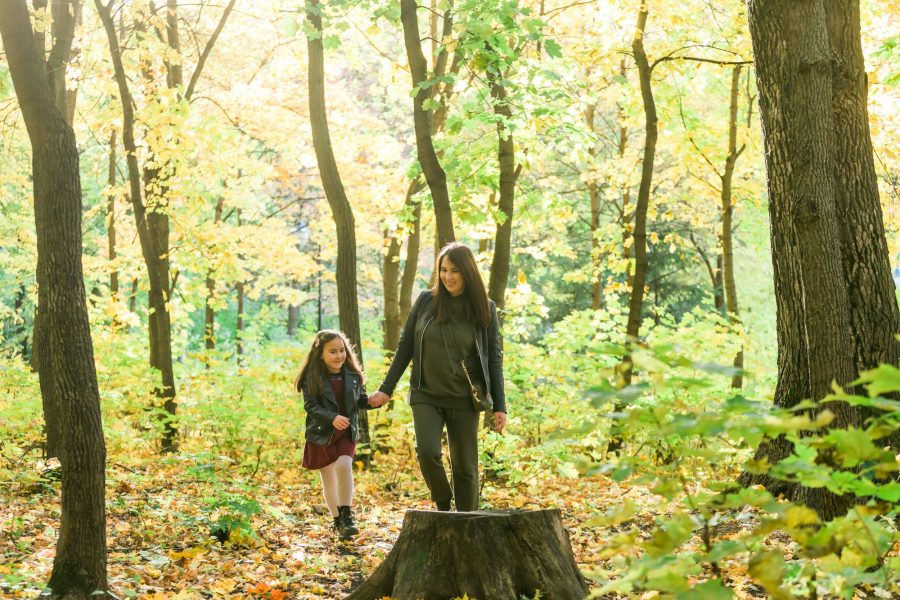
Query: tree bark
x=210, y=322
x=506, y=158
x=594, y=196
x=154, y=243
x=441, y=555
x=639, y=234
x=874, y=318
x=111, y=217
x=815, y=324
x=422, y=119
x=341, y=210
x=68, y=380
x=727, y=207
x=411, y=264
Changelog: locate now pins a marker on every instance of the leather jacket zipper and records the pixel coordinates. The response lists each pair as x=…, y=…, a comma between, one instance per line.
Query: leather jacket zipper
x=421, y=351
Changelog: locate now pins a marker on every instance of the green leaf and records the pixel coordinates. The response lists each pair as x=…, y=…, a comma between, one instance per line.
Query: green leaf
x=553, y=49
x=713, y=589
x=882, y=380
x=852, y=445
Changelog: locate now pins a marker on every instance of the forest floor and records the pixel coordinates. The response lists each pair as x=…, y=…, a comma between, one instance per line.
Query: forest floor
x=161, y=513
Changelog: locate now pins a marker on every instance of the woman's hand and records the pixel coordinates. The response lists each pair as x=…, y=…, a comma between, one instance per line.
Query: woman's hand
x=340, y=422
x=378, y=399
x=499, y=421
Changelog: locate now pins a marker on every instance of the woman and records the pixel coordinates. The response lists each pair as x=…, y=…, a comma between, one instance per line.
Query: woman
x=452, y=336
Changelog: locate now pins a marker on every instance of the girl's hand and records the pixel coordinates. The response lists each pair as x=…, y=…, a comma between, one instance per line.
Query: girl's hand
x=340, y=422
x=499, y=421
x=378, y=398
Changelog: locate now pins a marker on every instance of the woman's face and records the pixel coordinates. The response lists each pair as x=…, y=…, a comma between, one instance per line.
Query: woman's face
x=334, y=354
x=452, y=279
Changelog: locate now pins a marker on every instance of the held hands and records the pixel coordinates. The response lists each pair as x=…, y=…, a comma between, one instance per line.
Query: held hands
x=340, y=422
x=378, y=399
x=499, y=422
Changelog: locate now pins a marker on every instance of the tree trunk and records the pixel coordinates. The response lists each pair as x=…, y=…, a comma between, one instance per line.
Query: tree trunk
x=440, y=555
x=210, y=322
x=111, y=217
x=639, y=234
x=239, y=325
x=68, y=380
x=727, y=257
x=508, y=173
x=391, y=280
x=422, y=119
x=874, y=318
x=411, y=265
x=152, y=229
x=594, y=195
x=341, y=210
x=815, y=341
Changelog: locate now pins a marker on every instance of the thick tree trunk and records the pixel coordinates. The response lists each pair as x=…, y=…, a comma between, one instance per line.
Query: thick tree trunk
x=508, y=173
x=441, y=555
x=874, y=318
x=422, y=119
x=68, y=380
x=639, y=233
x=727, y=256
x=815, y=342
x=341, y=210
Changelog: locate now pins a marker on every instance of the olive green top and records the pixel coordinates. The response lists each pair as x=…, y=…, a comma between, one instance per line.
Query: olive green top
x=443, y=345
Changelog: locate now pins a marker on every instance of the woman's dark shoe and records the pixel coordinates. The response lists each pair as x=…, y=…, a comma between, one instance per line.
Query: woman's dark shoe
x=443, y=506
x=344, y=521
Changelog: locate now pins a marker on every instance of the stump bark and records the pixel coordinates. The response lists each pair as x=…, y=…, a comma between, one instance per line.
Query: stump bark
x=486, y=555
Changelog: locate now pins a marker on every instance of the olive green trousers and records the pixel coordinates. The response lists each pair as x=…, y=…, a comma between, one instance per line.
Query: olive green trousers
x=462, y=435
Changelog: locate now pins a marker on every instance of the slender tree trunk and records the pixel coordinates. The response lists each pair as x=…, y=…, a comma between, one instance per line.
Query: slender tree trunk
x=422, y=118
x=639, y=234
x=341, y=210
x=210, y=323
x=68, y=380
x=111, y=217
x=625, y=216
x=727, y=257
x=508, y=174
x=594, y=195
x=154, y=242
x=411, y=264
x=391, y=281
x=239, y=326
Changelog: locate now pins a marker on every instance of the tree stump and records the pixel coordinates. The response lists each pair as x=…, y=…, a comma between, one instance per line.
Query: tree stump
x=487, y=555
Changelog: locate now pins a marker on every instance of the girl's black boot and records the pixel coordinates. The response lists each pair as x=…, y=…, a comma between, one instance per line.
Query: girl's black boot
x=346, y=528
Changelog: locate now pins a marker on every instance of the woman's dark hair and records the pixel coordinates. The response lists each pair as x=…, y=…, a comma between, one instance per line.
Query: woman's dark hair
x=477, y=309
x=314, y=368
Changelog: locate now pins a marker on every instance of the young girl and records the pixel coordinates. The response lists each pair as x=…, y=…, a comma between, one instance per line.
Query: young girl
x=331, y=382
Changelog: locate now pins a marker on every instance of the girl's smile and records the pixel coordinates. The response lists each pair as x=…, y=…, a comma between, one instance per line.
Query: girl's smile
x=334, y=354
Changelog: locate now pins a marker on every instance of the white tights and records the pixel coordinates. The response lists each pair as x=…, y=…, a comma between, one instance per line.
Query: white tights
x=337, y=484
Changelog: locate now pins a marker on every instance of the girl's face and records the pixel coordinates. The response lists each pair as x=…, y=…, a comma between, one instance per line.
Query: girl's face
x=334, y=354
x=452, y=279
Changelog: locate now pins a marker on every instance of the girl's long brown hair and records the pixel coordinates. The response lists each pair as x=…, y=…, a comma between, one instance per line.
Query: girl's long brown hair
x=314, y=368
x=477, y=309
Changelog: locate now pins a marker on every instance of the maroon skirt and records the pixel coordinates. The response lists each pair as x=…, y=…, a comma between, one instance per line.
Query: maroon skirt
x=315, y=456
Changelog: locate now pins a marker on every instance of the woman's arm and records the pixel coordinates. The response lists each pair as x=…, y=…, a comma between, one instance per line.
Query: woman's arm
x=405, y=349
x=495, y=362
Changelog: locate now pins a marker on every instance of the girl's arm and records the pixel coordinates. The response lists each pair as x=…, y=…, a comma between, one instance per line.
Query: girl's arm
x=314, y=407
x=495, y=362
x=405, y=349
